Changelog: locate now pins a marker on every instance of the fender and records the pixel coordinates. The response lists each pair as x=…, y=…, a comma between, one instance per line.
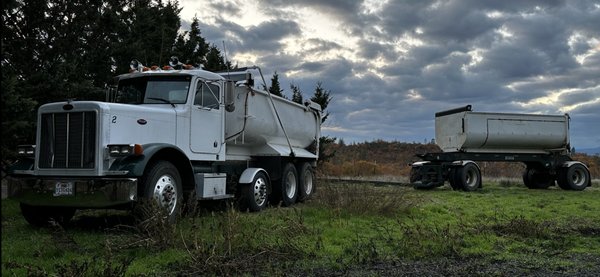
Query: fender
x=135, y=165
x=419, y=164
x=571, y=163
x=249, y=174
x=465, y=162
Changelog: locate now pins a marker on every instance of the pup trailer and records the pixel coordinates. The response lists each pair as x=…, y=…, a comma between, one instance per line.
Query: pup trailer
x=465, y=137
x=166, y=133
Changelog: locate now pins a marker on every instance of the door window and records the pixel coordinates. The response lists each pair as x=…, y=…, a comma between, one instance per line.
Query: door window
x=207, y=95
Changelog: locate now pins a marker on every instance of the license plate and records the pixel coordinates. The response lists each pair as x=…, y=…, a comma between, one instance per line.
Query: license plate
x=63, y=189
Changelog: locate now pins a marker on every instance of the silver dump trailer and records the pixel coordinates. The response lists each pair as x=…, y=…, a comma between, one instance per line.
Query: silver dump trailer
x=163, y=134
x=541, y=142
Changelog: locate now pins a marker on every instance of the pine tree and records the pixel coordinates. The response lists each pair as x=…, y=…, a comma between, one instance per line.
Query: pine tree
x=215, y=61
x=275, y=88
x=296, y=94
x=190, y=47
x=322, y=97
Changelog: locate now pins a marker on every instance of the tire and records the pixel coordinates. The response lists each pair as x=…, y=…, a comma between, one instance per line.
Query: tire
x=452, y=180
x=162, y=185
x=468, y=177
x=285, y=192
x=537, y=179
x=307, y=184
x=574, y=177
x=254, y=196
x=40, y=216
x=415, y=175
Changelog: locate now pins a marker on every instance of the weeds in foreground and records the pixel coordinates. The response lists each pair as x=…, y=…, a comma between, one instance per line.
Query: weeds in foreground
x=362, y=199
x=240, y=245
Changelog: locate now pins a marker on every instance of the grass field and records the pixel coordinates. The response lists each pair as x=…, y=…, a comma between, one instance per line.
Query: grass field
x=346, y=229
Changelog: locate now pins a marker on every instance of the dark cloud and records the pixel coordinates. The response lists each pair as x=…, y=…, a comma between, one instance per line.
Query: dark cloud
x=406, y=60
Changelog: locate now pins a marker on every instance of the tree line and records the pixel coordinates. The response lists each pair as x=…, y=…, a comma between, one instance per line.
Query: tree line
x=54, y=50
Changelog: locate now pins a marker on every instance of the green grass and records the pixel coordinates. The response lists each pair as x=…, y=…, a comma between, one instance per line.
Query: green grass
x=345, y=226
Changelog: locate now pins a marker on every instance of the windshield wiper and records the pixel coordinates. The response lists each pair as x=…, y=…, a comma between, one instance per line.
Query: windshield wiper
x=162, y=100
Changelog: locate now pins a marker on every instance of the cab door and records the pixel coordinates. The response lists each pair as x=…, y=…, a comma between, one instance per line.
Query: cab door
x=206, y=128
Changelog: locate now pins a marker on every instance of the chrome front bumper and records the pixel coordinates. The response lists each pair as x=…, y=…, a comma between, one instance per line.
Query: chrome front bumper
x=84, y=193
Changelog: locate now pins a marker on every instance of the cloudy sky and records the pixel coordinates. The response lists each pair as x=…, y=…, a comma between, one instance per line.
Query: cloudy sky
x=390, y=65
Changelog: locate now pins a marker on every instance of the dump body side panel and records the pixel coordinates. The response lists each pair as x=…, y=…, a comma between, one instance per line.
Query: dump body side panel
x=477, y=132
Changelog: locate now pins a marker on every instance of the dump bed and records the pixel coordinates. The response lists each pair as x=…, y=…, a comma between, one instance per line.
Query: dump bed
x=480, y=132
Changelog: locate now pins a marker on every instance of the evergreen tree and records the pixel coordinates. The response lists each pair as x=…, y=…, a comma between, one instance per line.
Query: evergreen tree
x=296, y=94
x=322, y=97
x=275, y=88
x=190, y=47
x=215, y=61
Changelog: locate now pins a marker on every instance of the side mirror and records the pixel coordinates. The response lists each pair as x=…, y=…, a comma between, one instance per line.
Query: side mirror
x=229, y=96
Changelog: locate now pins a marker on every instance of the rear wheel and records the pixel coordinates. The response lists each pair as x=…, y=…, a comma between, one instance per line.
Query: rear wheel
x=574, y=177
x=306, y=182
x=254, y=196
x=452, y=180
x=285, y=192
x=40, y=216
x=468, y=177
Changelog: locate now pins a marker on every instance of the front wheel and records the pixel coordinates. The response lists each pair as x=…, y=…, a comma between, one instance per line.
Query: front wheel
x=162, y=184
x=468, y=177
x=40, y=216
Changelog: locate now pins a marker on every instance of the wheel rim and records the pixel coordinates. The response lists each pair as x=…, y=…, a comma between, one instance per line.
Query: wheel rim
x=578, y=177
x=471, y=179
x=260, y=191
x=308, y=182
x=290, y=185
x=165, y=193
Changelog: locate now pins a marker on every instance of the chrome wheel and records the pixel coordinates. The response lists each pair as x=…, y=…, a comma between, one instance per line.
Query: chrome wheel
x=260, y=191
x=165, y=193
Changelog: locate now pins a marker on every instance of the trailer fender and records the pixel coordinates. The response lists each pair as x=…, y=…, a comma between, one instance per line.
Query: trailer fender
x=571, y=163
x=419, y=164
x=465, y=162
x=249, y=174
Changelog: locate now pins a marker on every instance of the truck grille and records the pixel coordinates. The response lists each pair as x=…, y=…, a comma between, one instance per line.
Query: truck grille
x=68, y=140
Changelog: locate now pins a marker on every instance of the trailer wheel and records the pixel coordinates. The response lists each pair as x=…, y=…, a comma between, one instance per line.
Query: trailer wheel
x=254, y=195
x=40, y=216
x=537, y=179
x=306, y=182
x=575, y=177
x=285, y=192
x=415, y=175
x=162, y=185
x=468, y=177
x=452, y=180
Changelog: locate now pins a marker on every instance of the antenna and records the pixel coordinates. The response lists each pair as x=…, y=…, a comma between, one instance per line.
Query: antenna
x=226, y=65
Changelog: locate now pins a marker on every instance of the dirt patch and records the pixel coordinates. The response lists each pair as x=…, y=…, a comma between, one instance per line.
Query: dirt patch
x=578, y=265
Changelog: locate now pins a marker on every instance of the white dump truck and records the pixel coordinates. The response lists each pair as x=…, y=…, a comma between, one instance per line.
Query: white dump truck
x=541, y=142
x=164, y=134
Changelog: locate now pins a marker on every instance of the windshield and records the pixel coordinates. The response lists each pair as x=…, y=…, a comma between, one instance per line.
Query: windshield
x=153, y=90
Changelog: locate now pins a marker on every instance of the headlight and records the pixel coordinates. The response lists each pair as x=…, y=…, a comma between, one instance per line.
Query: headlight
x=121, y=150
x=26, y=151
